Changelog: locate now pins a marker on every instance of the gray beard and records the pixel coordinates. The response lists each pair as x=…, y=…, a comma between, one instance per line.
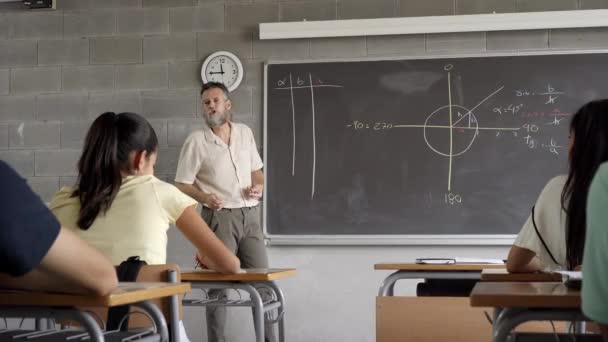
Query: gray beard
x=216, y=120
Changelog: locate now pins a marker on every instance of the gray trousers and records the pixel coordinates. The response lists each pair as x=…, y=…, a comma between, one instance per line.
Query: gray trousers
x=241, y=232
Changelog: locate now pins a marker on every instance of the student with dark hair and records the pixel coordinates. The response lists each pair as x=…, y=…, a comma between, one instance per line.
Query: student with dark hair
x=37, y=254
x=119, y=206
x=553, y=236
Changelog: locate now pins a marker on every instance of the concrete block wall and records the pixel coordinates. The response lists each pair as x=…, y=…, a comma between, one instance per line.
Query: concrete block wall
x=60, y=69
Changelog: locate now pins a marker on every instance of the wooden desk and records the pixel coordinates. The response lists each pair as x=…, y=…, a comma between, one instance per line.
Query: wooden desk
x=519, y=302
x=250, y=281
x=503, y=275
x=64, y=306
x=251, y=274
x=418, y=317
x=423, y=271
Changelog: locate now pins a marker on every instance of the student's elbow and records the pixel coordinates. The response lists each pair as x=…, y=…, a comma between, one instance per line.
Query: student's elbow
x=231, y=266
x=519, y=260
x=105, y=283
x=513, y=267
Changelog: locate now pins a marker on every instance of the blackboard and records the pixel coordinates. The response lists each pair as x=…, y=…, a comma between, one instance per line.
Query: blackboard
x=436, y=146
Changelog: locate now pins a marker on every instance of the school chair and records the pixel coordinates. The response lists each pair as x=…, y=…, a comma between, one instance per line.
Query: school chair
x=171, y=307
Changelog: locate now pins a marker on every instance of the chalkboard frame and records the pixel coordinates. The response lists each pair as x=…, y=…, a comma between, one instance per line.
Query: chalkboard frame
x=385, y=239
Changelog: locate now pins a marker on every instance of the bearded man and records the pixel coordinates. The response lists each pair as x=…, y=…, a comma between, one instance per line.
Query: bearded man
x=220, y=167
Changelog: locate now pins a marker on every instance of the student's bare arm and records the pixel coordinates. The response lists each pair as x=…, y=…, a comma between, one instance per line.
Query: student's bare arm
x=71, y=266
x=214, y=253
x=522, y=260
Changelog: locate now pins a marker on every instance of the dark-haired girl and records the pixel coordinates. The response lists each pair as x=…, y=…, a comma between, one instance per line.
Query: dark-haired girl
x=119, y=206
x=553, y=237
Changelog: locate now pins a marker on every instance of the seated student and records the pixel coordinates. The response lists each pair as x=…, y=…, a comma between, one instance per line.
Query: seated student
x=595, y=280
x=553, y=236
x=122, y=209
x=37, y=254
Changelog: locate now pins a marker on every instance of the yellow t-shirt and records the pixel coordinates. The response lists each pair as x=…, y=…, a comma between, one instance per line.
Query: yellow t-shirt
x=136, y=223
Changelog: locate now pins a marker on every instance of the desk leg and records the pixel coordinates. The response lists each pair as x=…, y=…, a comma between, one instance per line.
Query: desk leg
x=580, y=327
x=41, y=312
x=258, y=310
x=510, y=319
x=158, y=318
x=90, y=324
x=174, y=309
x=280, y=311
x=388, y=285
x=40, y=324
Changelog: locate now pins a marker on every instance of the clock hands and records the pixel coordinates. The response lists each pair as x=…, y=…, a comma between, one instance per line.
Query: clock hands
x=222, y=72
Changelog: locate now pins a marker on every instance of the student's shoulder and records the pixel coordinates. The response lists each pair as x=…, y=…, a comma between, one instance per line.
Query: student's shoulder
x=63, y=197
x=552, y=191
x=169, y=194
x=556, y=183
x=163, y=188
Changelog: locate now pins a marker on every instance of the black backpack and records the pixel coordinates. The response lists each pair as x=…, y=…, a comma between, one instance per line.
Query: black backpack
x=126, y=271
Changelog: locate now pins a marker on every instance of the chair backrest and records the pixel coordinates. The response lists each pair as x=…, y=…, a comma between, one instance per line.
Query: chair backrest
x=157, y=273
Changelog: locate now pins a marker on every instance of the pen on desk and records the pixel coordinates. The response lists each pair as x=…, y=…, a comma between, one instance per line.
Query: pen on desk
x=197, y=265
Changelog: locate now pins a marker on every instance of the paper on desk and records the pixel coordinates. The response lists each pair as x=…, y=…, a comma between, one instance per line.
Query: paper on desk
x=573, y=275
x=435, y=261
x=479, y=261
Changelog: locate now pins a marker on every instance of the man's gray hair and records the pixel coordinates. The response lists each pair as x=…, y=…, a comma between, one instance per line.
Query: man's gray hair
x=216, y=85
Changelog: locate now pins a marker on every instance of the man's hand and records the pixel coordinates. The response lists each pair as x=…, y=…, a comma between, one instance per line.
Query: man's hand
x=213, y=202
x=255, y=191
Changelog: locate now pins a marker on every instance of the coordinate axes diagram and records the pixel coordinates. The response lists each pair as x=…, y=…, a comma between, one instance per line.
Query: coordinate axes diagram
x=309, y=86
x=453, y=117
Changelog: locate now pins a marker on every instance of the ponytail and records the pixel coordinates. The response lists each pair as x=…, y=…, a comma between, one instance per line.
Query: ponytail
x=108, y=144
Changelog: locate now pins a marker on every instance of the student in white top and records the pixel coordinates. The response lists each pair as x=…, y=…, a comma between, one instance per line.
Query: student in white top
x=122, y=209
x=553, y=236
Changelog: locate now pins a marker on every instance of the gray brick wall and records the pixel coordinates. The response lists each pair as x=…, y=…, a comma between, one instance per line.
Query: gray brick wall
x=3, y=136
x=138, y=76
x=89, y=23
x=4, y=81
x=60, y=69
x=15, y=53
x=63, y=52
x=33, y=135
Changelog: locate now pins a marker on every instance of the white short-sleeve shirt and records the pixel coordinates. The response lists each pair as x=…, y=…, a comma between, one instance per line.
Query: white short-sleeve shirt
x=551, y=223
x=214, y=167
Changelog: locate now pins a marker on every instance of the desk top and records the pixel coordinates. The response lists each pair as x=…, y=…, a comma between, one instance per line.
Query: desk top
x=126, y=293
x=525, y=294
x=503, y=275
x=250, y=274
x=427, y=267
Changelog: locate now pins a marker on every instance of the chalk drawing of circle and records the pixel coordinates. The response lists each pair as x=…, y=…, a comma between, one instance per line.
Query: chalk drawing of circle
x=438, y=123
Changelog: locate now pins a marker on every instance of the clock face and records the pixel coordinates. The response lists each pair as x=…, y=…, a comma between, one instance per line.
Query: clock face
x=223, y=68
